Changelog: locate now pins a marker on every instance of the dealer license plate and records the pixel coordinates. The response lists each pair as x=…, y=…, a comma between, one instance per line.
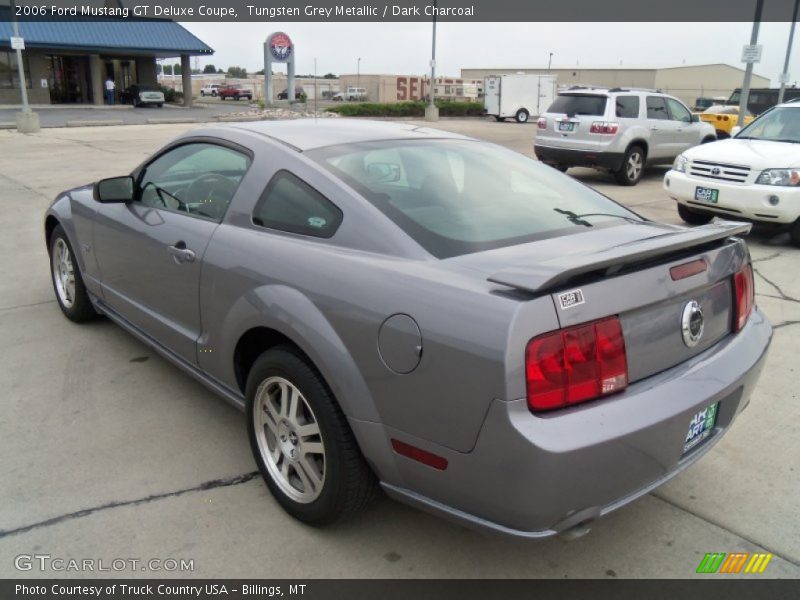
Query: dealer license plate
x=566, y=126
x=706, y=194
x=700, y=427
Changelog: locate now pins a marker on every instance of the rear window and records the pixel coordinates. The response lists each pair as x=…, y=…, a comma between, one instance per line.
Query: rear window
x=579, y=104
x=455, y=197
x=627, y=107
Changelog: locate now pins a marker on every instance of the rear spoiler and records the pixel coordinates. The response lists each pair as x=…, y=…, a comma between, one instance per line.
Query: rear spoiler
x=558, y=271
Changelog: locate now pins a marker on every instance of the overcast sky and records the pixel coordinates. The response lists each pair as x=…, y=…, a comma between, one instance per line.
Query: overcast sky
x=405, y=47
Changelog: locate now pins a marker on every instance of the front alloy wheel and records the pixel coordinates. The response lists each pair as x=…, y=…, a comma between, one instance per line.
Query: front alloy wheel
x=67, y=281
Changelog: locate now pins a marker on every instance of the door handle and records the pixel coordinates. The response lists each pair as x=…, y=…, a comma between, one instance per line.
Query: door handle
x=181, y=253
x=653, y=128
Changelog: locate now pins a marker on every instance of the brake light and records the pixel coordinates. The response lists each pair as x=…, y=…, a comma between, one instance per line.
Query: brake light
x=542, y=123
x=604, y=127
x=745, y=296
x=576, y=364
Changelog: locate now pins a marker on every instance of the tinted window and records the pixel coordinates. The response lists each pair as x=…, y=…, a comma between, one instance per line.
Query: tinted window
x=198, y=179
x=678, y=111
x=579, y=104
x=656, y=108
x=290, y=204
x=454, y=197
x=627, y=107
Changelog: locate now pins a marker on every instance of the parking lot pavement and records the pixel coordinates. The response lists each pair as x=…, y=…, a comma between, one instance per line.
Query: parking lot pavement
x=110, y=452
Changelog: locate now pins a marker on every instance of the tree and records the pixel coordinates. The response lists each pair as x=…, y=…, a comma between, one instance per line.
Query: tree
x=176, y=69
x=167, y=69
x=329, y=76
x=159, y=69
x=237, y=72
x=208, y=69
x=220, y=72
x=259, y=72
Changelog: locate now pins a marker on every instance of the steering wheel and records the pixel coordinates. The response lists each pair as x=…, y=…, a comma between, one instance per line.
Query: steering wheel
x=210, y=188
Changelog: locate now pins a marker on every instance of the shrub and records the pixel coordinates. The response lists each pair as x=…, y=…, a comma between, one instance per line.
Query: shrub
x=447, y=108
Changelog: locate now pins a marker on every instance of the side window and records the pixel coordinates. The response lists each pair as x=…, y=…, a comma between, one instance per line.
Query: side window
x=678, y=111
x=627, y=107
x=656, y=108
x=198, y=179
x=290, y=204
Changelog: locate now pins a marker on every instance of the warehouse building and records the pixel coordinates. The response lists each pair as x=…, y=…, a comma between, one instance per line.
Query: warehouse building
x=687, y=82
x=69, y=61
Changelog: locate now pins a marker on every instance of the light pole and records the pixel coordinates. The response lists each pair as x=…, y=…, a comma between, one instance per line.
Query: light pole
x=549, y=62
x=748, y=73
x=785, y=74
x=431, y=112
x=358, y=74
x=27, y=120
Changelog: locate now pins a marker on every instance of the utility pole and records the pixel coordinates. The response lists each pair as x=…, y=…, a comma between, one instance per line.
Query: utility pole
x=785, y=74
x=748, y=73
x=549, y=62
x=358, y=75
x=431, y=111
x=27, y=120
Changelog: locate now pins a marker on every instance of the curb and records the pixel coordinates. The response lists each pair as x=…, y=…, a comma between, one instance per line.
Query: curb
x=93, y=123
x=159, y=121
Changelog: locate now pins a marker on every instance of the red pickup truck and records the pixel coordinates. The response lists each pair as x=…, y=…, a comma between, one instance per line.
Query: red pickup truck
x=231, y=91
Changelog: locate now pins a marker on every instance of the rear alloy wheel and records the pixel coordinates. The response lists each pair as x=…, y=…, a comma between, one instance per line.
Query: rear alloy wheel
x=522, y=116
x=632, y=167
x=302, y=442
x=67, y=281
x=692, y=217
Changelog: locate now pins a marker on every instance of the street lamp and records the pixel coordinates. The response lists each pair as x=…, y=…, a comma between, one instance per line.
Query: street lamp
x=358, y=73
x=549, y=62
x=431, y=112
x=27, y=120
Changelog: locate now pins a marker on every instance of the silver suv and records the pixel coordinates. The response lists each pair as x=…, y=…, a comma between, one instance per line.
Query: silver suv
x=618, y=129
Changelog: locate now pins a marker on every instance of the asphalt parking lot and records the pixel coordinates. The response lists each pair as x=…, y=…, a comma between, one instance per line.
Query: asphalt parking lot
x=110, y=452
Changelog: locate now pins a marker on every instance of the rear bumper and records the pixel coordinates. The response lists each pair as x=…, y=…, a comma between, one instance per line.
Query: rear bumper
x=530, y=476
x=744, y=201
x=579, y=158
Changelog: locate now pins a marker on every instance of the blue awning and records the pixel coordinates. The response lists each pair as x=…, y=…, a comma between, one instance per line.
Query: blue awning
x=151, y=37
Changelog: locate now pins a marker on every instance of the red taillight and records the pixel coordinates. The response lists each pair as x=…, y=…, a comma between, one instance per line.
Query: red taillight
x=604, y=127
x=576, y=364
x=542, y=123
x=745, y=295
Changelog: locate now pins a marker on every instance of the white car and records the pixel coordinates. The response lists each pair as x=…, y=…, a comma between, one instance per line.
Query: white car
x=753, y=176
x=210, y=90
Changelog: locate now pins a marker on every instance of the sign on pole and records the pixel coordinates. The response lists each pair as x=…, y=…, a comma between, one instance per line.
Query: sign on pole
x=783, y=78
x=751, y=53
x=17, y=43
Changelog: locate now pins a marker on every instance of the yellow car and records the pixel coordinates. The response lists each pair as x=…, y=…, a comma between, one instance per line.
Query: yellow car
x=723, y=118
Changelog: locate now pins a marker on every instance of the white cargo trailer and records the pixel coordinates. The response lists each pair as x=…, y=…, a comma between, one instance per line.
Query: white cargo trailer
x=520, y=96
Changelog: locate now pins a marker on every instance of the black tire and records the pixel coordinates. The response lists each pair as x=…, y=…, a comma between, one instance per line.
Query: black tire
x=236, y=97
x=562, y=168
x=159, y=105
x=81, y=309
x=722, y=135
x=708, y=140
x=794, y=233
x=348, y=484
x=693, y=217
x=499, y=119
x=626, y=176
x=522, y=116
x=214, y=93
x=202, y=93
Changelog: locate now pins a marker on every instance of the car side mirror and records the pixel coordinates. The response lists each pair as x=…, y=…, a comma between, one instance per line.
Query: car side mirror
x=695, y=119
x=735, y=131
x=114, y=190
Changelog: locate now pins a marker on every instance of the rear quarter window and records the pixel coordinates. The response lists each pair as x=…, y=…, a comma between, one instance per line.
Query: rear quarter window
x=579, y=104
x=627, y=107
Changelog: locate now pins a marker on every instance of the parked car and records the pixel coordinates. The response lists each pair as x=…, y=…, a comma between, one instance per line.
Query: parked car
x=481, y=335
x=754, y=175
x=351, y=94
x=211, y=89
x=235, y=92
x=760, y=100
x=723, y=119
x=299, y=93
x=622, y=130
x=142, y=95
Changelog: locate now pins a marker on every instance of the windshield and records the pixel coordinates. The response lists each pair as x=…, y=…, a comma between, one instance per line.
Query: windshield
x=779, y=125
x=459, y=196
x=579, y=104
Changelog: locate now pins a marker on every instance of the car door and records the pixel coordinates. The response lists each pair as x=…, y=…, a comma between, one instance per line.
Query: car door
x=662, y=129
x=687, y=133
x=150, y=251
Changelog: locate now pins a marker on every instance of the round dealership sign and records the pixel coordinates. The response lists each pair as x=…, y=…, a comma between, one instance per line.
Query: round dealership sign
x=280, y=45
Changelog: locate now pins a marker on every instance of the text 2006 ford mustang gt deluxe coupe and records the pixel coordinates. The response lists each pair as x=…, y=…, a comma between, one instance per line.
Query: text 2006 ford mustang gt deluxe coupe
x=476, y=332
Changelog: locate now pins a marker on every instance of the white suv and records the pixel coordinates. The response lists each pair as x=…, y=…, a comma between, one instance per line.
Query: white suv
x=621, y=130
x=754, y=176
x=211, y=89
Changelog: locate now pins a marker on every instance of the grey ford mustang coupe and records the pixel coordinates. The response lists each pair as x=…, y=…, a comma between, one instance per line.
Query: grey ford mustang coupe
x=404, y=308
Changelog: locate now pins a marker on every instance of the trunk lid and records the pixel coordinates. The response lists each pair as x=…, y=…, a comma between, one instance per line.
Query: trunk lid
x=625, y=271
